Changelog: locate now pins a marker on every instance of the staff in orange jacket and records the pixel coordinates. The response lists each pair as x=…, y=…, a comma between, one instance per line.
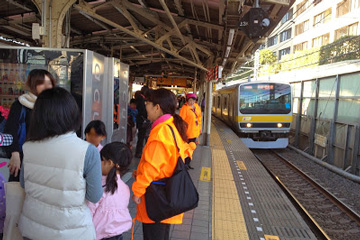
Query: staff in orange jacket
x=191, y=113
x=159, y=158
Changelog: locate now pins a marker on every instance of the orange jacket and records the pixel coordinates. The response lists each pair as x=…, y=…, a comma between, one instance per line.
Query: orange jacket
x=158, y=161
x=193, y=119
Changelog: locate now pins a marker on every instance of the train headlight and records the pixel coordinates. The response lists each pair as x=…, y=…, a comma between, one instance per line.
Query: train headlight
x=279, y=125
x=249, y=125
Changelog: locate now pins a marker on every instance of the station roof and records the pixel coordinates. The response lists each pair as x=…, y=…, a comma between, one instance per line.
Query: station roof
x=155, y=37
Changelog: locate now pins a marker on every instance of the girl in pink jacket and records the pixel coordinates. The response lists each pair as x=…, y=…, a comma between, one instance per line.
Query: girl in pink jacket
x=111, y=215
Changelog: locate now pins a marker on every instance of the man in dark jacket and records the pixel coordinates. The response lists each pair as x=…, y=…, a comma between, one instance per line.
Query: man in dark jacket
x=142, y=123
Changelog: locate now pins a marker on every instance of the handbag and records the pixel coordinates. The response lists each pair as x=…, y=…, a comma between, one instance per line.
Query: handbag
x=15, y=196
x=171, y=196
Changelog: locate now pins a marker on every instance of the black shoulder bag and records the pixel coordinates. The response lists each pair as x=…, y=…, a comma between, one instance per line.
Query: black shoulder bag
x=171, y=196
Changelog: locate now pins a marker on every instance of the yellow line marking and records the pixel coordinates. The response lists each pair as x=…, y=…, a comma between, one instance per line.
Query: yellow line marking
x=271, y=237
x=205, y=174
x=229, y=141
x=227, y=222
x=241, y=165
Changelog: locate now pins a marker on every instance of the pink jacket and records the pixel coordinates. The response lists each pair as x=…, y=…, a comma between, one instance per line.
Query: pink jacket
x=111, y=215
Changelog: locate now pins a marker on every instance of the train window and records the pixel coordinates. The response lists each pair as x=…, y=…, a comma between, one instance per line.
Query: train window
x=218, y=103
x=260, y=98
x=225, y=103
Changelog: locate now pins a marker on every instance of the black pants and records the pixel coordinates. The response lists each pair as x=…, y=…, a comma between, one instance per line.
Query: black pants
x=188, y=159
x=140, y=140
x=156, y=231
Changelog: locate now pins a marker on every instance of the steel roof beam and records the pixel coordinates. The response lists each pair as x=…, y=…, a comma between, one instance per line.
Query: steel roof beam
x=83, y=6
x=133, y=22
x=19, y=5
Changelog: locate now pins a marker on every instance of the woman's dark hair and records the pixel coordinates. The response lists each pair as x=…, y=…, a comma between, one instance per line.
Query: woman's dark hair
x=121, y=155
x=98, y=126
x=37, y=77
x=168, y=103
x=145, y=91
x=55, y=113
x=137, y=94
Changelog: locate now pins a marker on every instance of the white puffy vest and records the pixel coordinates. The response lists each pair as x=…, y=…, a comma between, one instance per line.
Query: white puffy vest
x=54, y=206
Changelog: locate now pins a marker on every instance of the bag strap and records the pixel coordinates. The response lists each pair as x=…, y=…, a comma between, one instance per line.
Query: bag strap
x=172, y=131
x=22, y=115
x=194, y=111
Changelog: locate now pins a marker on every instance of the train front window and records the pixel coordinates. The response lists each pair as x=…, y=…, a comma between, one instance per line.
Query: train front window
x=265, y=98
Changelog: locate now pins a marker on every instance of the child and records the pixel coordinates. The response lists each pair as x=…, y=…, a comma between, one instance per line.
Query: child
x=95, y=132
x=111, y=215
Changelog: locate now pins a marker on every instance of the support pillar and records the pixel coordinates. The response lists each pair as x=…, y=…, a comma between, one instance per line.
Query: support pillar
x=55, y=15
x=207, y=114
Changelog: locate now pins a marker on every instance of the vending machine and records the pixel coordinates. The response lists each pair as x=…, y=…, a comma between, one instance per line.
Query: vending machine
x=98, y=83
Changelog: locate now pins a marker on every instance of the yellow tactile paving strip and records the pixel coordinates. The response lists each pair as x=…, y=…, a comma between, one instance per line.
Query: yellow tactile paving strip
x=228, y=220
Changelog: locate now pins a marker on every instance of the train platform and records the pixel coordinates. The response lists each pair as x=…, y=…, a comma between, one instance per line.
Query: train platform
x=238, y=198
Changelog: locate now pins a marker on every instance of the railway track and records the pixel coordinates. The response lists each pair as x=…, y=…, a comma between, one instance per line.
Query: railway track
x=329, y=217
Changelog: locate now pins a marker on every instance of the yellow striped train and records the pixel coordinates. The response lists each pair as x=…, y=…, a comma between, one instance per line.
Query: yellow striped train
x=260, y=112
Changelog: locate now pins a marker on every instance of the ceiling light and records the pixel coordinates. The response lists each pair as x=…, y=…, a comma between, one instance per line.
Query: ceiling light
x=227, y=51
x=231, y=36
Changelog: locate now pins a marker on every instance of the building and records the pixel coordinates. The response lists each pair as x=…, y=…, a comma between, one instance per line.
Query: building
x=314, y=23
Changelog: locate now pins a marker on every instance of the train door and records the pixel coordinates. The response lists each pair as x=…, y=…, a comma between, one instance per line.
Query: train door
x=218, y=105
x=230, y=108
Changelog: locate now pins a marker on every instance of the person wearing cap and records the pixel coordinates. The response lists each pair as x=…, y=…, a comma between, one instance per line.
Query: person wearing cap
x=5, y=140
x=192, y=116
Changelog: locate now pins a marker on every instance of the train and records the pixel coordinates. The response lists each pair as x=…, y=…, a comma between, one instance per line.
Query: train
x=260, y=112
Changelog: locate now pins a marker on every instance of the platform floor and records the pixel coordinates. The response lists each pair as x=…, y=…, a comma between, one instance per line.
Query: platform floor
x=238, y=198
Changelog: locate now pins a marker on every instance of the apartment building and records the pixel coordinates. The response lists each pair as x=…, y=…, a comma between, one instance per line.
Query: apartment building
x=314, y=23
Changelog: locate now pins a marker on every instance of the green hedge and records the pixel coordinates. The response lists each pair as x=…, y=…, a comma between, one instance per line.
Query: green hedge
x=345, y=48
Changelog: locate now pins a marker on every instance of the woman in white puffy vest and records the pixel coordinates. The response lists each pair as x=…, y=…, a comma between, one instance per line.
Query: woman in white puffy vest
x=59, y=172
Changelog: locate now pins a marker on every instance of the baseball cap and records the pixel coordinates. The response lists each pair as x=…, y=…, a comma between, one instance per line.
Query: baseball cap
x=191, y=95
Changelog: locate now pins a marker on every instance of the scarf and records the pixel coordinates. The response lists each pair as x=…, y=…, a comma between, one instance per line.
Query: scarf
x=28, y=100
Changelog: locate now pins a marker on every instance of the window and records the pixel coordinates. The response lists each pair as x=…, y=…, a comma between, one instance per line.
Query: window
x=343, y=8
x=225, y=103
x=321, y=40
x=284, y=52
x=218, y=103
x=285, y=35
x=300, y=47
x=287, y=16
x=301, y=27
x=263, y=98
x=346, y=31
x=272, y=41
x=355, y=4
x=301, y=7
x=323, y=17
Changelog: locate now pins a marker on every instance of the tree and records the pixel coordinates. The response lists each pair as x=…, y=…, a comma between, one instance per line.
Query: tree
x=267, y=57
